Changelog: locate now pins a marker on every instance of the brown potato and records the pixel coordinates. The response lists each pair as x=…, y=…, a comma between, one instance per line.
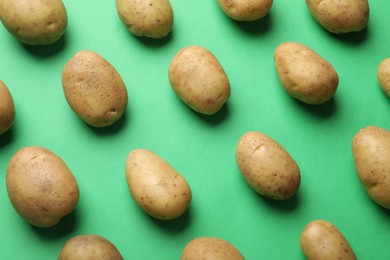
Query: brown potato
x=383, y=74
x=150, y=18
x=371, y=153
x=245, y=10
x=7, y=109
x=156, y=186
x=40, y=186
x=341, y=16
x=38, y=22
x=321, y=240
x=304, y=74
x=212, y=248
x=267, y=166
x=89, y=247
x=94, y=89
x=199, y=80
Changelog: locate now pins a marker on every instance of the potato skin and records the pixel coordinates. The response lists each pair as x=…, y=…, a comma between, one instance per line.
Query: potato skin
x=383, y=74
x=248, y=10
x=94, y=89
x=371, y=153
x=321, y=240
x=199, y=80
x=40, y=186
x=89, y=247
x=340, y=16
x=304, y=74
x=149, y=18
x=267, y=166
x=34, y=22
x=204, y=248
x=156, y=186
x=7, y=109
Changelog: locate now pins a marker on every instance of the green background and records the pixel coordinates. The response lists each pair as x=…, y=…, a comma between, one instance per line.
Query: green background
x=200, y=147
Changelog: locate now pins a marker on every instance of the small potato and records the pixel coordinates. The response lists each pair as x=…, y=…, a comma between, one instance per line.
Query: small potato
x=245, y=10
x=267, y=166
x=89, y=247
x=321, y=240
x=341, y=16
x=211, y=248
x=304, y=74
x=40, y=186
x=38, y=22
x=384, y=76
x=371, y=153
x=199, y=80
x=149, y=18
x=94, y=89
x=155, y=186
x=7, y=109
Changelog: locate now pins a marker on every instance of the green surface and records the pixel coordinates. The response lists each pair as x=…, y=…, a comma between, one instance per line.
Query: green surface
x=200, y=147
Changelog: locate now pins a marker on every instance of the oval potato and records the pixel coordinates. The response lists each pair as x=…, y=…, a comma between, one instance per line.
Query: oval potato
x=321, y=240
x=89, y=247
x=37, y=22
x=210, y=248
x=371, y=153
x=156, y=186
x=150, y=18
x=7, y=109
x=40, y=186
x=94, y=89
x=245, y=10
x=267, y=166
x=304, y=74
x=199, y=80
x=383, y=74
x=341, y=16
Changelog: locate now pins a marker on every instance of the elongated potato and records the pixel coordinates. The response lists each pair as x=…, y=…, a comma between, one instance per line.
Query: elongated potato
x=321, y=240
x=383, y=74
x=245, y=10
x=7, y=109
x=371, y=153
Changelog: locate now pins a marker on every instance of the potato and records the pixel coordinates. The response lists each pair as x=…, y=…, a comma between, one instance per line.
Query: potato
x=94, y=89
x=40, y=186
x=204, y=248
x=7, y=109
x=89, y=247
x=37, y=22
x=149, y=18
x=341, y=16
x=371, y=153
x=247, y=10
x=199, y=80
x=156, y=186
x=383, y=74
x=321, y=240
x=267, y=166
x=304, y=74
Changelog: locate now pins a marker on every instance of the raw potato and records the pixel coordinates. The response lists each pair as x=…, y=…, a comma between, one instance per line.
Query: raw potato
x=321, y=240
x=267, y=166
x=156, y=186
x=384, y=76
x=210, y=248
x=340, y=16
x=89, y=247
x=245, y=10
x=371, y=153
x=199, y=80
x=40, y=186
x=7, y=109
x=150, y=18
x=94, y=89
x=34, y=22
x=304, y=74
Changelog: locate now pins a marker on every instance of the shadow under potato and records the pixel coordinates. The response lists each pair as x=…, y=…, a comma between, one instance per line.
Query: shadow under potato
x=6, y=138
x=44, y=51
x=110, y=129
x=257, y=27
x=176, y=225
x=324, y=110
